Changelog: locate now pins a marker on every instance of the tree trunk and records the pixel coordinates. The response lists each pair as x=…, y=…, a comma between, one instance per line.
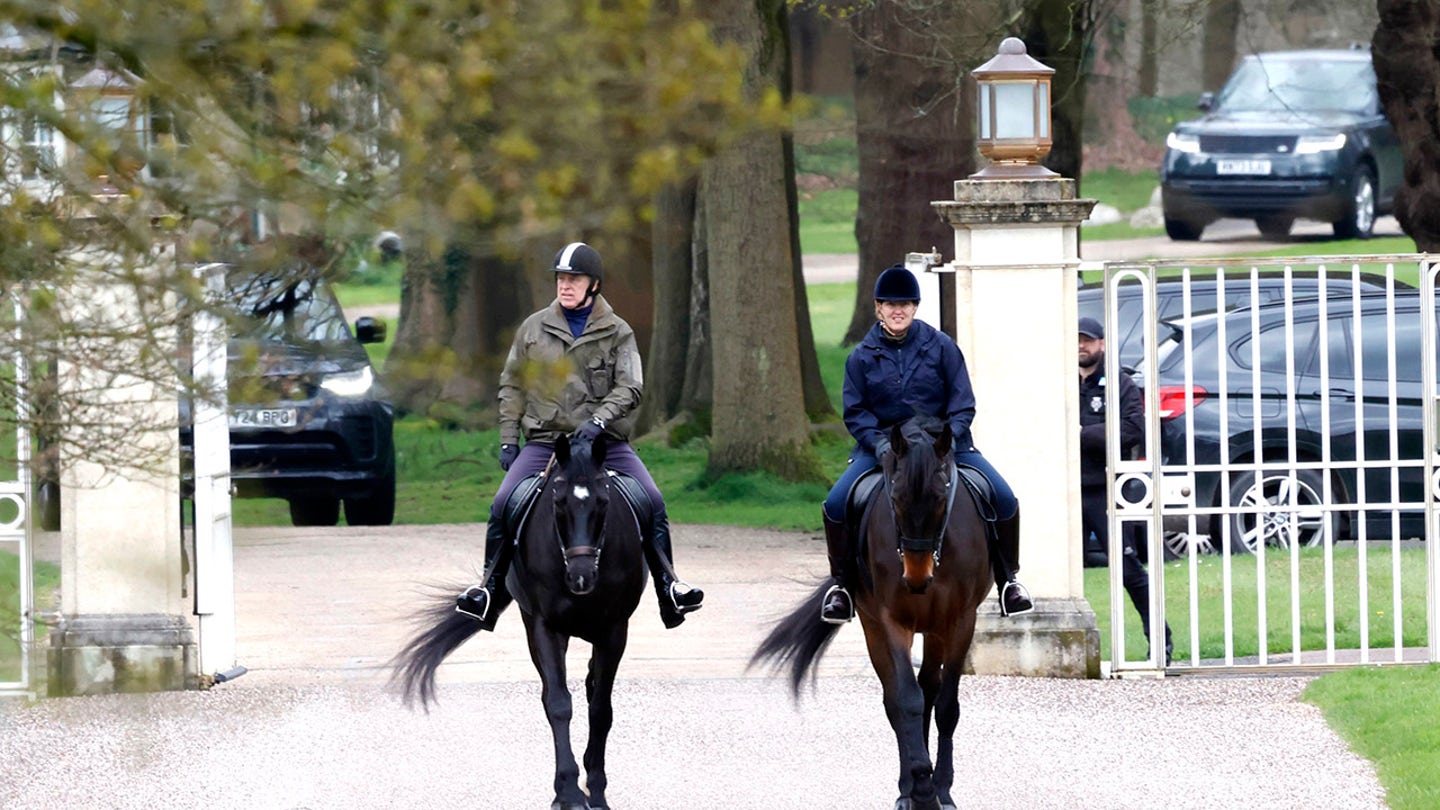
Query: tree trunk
x=1057, y=32
x=914, y=118
x=1408, y=72
x=457, y=313
x=1222, y=22
x=759, y=421
x=1147, y=77
x=672, y=232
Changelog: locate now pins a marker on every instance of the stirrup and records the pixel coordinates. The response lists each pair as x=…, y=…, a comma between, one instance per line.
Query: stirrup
x=684, y=598
x=837, y=590
x=1014, y=590
x=465, y=602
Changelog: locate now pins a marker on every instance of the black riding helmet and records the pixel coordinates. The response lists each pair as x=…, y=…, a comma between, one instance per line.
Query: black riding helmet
x=582, y=260
x=897, y=283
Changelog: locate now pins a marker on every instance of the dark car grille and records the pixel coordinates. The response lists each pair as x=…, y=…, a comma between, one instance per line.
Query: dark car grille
x=361, y=430
x=1248, y=144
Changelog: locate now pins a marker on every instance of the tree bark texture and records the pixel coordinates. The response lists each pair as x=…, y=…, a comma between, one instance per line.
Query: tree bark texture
x=759, y=420
x=671, y=234
x=1407, y=69
x=1147, y=76
x=1222, y=23
x=914, y=119
x=1058, y=33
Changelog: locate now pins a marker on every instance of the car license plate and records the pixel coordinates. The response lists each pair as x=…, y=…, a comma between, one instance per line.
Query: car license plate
x=1242, y=167
x=264, y=417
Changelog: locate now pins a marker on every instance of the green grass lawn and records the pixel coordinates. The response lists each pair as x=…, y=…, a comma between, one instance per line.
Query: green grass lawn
x=1244, y=607
x=1389, y=716
x=46, y=578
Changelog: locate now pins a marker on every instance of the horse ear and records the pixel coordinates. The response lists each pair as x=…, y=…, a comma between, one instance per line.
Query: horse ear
x=598, y=448
x=943, y=443
x=562, y=450
x=898, y=445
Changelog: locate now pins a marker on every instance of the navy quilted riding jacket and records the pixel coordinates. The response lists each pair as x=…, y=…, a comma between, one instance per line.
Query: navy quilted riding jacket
x=887, y=382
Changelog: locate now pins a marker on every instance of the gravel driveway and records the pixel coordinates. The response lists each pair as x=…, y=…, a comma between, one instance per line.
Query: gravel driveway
x=313, y=724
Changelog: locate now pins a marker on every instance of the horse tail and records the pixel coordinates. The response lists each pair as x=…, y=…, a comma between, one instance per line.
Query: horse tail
x=798, y=641
x=441, y=630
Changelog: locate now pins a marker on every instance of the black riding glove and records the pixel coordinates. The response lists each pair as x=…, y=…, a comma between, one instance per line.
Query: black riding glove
x=590, y=430
x=508, y=454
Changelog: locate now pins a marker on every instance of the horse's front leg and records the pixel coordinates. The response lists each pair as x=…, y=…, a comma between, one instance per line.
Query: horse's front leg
x=599, y=684
x=929, y=679
x=947, y=706
x=547, y=651
x=904, y=705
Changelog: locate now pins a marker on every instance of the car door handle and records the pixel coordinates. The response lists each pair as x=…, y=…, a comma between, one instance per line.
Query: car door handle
x=1343, y=393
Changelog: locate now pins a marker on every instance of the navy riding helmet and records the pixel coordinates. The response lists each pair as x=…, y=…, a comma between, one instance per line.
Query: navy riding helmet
x=897, y=284
x=580, y=259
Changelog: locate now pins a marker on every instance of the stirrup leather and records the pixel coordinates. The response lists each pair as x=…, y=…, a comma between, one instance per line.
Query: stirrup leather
x=470, y=596
x=825, y=601
x=1014, y=588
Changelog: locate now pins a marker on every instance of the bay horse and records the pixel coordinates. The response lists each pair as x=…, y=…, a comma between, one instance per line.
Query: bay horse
x=563, y=590
x=925, y=569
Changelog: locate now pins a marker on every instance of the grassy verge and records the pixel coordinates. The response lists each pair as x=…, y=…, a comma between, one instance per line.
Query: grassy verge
x=1388, y=715
x=1244, y=607
x=46, y=578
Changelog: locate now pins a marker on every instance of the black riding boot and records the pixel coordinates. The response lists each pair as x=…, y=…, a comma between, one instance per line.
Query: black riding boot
x=836, y=607
x=1014, y=599
x=676, y=597
x=487, y=601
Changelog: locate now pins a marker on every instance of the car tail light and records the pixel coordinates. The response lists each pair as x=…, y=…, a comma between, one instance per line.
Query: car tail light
x=1172, y=400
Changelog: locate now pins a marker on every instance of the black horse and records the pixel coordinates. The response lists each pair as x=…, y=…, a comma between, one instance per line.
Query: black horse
x=563, y=591
x=932, y=586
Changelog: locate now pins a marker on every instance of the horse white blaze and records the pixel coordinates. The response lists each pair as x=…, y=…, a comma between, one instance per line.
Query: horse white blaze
x=580, y=493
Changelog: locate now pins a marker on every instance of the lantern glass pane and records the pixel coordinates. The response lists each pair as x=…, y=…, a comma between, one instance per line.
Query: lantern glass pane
x=1015, y=110
x=1042, y=108
x=985, y=133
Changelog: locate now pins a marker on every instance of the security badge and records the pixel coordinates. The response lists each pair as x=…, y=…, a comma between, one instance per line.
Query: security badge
x=1097, y=402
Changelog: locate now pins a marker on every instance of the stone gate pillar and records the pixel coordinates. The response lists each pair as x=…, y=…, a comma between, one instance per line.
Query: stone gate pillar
x=1016, y=250
x=123, y=618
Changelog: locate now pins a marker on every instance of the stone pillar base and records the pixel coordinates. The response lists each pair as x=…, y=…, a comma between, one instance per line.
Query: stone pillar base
x=107, y=653
x=1058, y=639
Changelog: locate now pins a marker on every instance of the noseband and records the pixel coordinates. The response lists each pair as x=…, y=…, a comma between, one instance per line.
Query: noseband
x=930, y=544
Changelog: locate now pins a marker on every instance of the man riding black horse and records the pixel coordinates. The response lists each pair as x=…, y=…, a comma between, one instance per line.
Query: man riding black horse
x=580, y=335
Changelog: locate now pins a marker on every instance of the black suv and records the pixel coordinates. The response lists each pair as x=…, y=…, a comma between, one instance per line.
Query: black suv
x=1291, y=134
x=308, y=420
x=1358, y=415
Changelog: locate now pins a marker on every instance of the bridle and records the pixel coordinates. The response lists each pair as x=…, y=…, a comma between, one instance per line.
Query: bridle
x=569, y=552
x=930, y=544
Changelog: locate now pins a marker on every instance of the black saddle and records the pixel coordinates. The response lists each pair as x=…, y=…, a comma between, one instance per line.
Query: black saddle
x=636, y=498
x=865, y=487
x=522, y=499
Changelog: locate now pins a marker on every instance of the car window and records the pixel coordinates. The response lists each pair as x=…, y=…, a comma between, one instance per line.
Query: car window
x=1274, y=347
x=1375, y=348
x=286, y=310
x=1282, y=85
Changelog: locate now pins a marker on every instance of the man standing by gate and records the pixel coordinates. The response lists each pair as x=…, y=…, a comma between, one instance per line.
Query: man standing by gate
x=1094, y=502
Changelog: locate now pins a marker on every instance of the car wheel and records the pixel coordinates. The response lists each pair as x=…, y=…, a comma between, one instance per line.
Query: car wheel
x=1299, y=521
x=315, y=511
x=1358, y=221
x=1274, y=228
x=376, y=509
x=1182, y=230
x=47, y=505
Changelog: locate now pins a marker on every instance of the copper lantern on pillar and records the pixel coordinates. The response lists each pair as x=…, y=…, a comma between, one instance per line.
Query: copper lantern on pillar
x=1014, y=113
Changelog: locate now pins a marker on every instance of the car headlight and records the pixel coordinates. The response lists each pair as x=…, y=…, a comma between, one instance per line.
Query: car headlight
x=1315, y=144
x=350, y=383
x=1183, y=142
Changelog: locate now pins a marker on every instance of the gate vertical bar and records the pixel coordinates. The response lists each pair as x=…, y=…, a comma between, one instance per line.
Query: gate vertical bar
x=214, y=549
x=20, y=529
x=1431, y=432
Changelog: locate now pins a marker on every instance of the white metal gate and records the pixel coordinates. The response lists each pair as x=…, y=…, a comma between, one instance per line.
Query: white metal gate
x=17, y=589
x=1288, y=475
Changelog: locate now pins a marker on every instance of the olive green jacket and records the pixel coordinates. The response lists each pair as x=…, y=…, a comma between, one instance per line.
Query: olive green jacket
x=553, y=382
